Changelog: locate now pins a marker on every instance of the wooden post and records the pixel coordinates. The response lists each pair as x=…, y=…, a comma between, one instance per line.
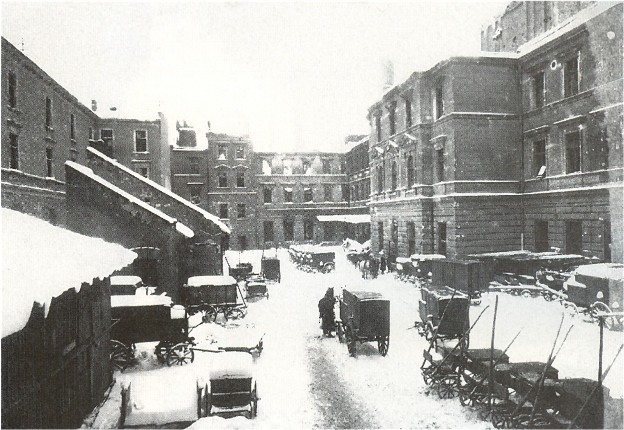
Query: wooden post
x=491, y=374
x=601, y=325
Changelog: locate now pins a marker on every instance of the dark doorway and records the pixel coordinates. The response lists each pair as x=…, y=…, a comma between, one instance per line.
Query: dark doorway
x=541, y=235
x=574, y=237
x=442, y=238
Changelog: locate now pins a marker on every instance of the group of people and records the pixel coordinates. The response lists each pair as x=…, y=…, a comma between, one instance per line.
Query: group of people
x=372, y=265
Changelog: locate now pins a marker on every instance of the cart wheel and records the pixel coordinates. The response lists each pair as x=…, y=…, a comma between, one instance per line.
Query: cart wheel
x=601, y=307
x=234, y=313
x=162, y=349
x=120, y=355
x=571, y=308
x=210, y=314
x=180, y=354
x=446, y=387
x=383, y=343
x=429, y=330
x=254, y=402
x=525, y=293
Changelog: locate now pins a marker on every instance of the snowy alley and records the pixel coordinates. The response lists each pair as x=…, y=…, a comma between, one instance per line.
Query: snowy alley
x=308, y=381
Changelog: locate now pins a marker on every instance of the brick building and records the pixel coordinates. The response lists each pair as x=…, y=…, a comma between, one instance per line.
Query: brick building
x=457, y=151
x=358, y=178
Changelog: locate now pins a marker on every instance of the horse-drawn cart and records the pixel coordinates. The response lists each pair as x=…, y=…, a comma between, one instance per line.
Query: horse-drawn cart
x=212, y=295
x=270, y=269
x=138, y=319
x=444, y=313
x=364, y=317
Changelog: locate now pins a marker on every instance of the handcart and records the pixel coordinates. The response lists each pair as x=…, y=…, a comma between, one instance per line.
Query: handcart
x=212, y=295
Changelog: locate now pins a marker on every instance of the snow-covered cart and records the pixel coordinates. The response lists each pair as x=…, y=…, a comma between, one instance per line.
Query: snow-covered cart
x=364, y=317
x=138, y=318
x=231, y=386
x=438, y=323
x=212, y=295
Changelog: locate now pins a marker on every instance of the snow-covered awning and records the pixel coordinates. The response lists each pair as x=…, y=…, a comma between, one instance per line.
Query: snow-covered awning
x=200, y=281
x=41, y=261
x=351, y=219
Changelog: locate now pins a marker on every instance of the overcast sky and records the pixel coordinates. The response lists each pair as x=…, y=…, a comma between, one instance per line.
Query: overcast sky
x=292, y=75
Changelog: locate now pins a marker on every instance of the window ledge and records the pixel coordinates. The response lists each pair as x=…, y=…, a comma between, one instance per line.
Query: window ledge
x=141, y=152
x=14, y=109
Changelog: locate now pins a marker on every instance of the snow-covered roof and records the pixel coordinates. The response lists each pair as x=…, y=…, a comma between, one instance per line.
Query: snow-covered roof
x=210, y=217
x=426, y=257
x=41, y=261
x=139, y=300
x=199, y=281
x=567, y=26
x=231, y=365
x=125, y=280
x=603, y=270
x=181, y=228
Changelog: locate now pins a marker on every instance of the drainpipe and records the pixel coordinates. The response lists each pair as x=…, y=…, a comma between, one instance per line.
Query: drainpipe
x=522, y=149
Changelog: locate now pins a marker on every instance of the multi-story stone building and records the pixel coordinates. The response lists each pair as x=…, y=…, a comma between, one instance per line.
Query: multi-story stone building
x=506, y=150
x=358, y=179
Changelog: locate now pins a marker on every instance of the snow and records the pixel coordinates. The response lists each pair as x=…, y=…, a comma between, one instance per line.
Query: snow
x=603, y=270
x=231, y=365
x=125, y=280
x=224, y=228
x=35, y=268
x=139, y=300
x=199, y=281
x=308, y=381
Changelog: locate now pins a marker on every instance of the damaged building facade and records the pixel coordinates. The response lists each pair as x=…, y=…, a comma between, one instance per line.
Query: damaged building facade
x=507, y=150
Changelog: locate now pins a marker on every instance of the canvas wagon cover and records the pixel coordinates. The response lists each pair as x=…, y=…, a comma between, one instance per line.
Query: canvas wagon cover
x=210, y=290
x=368, y=312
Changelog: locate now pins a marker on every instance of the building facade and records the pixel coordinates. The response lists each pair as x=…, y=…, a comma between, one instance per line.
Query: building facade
x=359, y=185
x=506, y=150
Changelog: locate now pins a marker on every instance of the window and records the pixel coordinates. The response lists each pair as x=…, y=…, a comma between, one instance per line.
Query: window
x=570, y=77
x=573, y=151
x=242, y=242
x=72, y=127
x=223, y=179
x=268, y=195
x=539, y=157
x=439, y=101
x=380, y=179
x=106, y=134
x=440, y=164
x=90, y=133
x=140, y=141
x=345, y=192
x=12, y=90
x=540, y=231
x=194, y=165
x=266, y=167
x=411, y=238
x=538, y=90
x=288, y=195
x=327, y=192
x=13, y=152
x=392, y=118
x=408, y=113
x=410, y=171
x=49, y=169
x=268, y=231
x=195, y=193
x=241, y=211
x=48, y=117
x=329, y=231
x=380, y=235
x=223, y=210
x=442, y=238
x=240, y=152
x=289, y=229
x=603, y=148
x=143, y=171
x=394, y=176
x=606, y=241
x=307, y=194
x=307, y=168
x=574, y=237
x=288, y=167
x=326, y=166
x=308, y=229
x=240, y=180
x=222, y=154
x=378, y=127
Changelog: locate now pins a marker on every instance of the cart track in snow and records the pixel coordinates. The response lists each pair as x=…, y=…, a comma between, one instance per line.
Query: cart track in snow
x=338, y=406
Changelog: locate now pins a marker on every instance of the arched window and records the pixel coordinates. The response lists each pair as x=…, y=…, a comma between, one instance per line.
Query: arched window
x=379, y=179
x=394, y=175
x=410, y=171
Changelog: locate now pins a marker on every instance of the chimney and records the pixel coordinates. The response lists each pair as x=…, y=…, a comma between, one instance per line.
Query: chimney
x=388, y=75
x=93, y=105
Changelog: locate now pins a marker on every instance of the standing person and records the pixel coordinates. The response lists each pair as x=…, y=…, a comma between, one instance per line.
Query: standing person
x=382, y=262
x=326, y=312
x=374, y=267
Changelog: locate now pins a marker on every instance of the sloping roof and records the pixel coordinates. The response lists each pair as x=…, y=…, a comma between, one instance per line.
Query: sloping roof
x=41, y=261
x=210, y=217
x=180, y=228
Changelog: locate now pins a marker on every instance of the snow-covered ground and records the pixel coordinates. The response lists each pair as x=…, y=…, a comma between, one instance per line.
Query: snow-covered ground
x=306, y=381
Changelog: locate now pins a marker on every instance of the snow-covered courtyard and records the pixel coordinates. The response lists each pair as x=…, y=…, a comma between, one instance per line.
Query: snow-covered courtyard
x=308, y=381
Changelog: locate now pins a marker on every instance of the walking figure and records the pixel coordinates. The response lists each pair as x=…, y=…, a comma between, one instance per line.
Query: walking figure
x=326, y=312
x=382, y=262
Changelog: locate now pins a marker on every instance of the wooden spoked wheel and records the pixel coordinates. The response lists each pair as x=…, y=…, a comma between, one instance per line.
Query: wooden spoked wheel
x=447, y=387
x=180, y=354
x=162, y=349
x=383, y=343
x=120, y=355
x=234, y=313
x=254, y=401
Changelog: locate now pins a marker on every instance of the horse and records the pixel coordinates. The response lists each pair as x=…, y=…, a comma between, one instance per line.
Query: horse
x=364, y=268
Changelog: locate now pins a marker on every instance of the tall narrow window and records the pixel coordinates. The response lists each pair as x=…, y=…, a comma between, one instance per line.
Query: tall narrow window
x=12, y=84
x=394, y=176
x=378, y=127
x=606, y=241
x=240, y=152
x=570, y=77
x=307, y=194
x=268, y=231
x=380, y=179
x=223, y=210
x=222, y=152
x=440, y=164
x=106, y=134
x=408, y=113
x=411, y=238
x=540, y=232
x=72, y=127
x=603, y=149
x=439, y=101
x=242, y=242
x=574, y=237
x=326, y=166
x=308, y=229
x=538, y=90
x=392, y=118
x=380, y=235
x=223, y=182
x=49, y=167
x=90, y=133
x=307, y=167
x=13, y=152
x=241, y=210
x=194, y=165
x=140, y=141
x=288, y=194
x=289, y=229
x=410, y=171
x=240, y=180
x=573, y=152
x=442, y=238
x=195, y=193
x=327, y=192
x=539, y=157
x=48, y=117
x=345, y=192
x=268, y=195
